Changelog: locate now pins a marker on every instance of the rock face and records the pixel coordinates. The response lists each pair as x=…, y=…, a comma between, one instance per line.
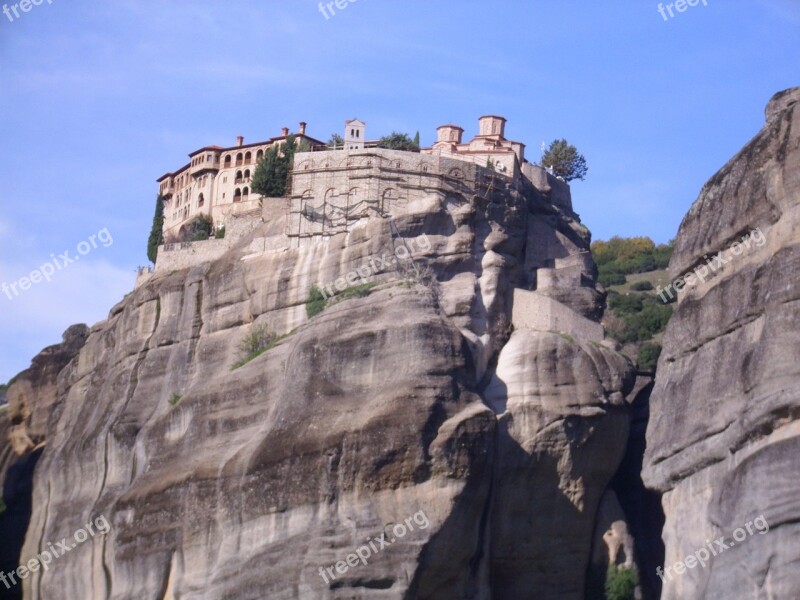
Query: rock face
x=413, y=410
x=33, y=399
x=723, y=436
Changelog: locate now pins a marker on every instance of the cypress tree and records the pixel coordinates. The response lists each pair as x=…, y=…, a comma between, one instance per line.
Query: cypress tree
x=157, y=231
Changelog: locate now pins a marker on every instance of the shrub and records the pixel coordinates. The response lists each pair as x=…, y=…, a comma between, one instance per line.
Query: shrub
x=357, y=291
x=220, y=233
x=175, y=399
x=640, y=317
x=609, y=279
x=398, y=141
x=621, y=583
x=316, y=302
x=255, y=341
x=647, y=359
x=197, y=229
x=642, y=286
x=625, y=305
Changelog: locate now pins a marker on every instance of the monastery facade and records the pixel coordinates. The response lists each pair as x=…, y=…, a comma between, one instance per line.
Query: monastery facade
x=333, y=187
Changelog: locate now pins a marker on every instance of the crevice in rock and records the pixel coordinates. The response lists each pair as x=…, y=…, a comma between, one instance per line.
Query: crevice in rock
x=17, y=496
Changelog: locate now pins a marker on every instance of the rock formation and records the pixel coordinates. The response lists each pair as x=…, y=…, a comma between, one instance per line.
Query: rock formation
x=723, y=434
x=420, y=409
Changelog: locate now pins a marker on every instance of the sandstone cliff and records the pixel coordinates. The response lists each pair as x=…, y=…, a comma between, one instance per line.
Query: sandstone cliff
x=723, y=436
x=418, y=406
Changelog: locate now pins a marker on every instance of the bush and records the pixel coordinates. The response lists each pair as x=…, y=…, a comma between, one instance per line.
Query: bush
x=198, y=229
x=625, y=305
x=316, y=302
x=255, y=341
x=398, y=141
x=220, y=233
x=640, y=317
x=621, y=583
x=175, y=399
x=608, y=279
x=357, y=291
x=642, y=286
x=647, y=359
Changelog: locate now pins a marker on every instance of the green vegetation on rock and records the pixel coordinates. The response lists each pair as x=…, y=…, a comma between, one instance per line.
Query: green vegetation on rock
x=316, y=302
x=640, y=317
x=621, y=583
x=256, y=343
x=198, y=229
x=647, y=358
x=398, y=141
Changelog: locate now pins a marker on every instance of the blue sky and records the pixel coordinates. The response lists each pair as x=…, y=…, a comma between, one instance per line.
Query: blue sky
x=99, y=99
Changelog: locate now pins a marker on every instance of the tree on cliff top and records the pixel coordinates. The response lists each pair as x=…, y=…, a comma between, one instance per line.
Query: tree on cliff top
x=271, y=176
x=565, y=161
x=398, y=141
x=157, y=231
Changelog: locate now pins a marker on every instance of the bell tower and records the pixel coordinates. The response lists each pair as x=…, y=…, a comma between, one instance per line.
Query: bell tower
x=354, y=132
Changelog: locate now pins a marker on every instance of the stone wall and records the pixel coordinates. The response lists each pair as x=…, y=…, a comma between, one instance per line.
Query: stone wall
x=558, y=190
x=174, y=257
x=333, y=190
x=536, y=311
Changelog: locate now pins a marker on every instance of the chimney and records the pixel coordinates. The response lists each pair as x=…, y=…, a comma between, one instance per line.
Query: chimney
x=239, y=141
x=302, y=127
x=285, y=131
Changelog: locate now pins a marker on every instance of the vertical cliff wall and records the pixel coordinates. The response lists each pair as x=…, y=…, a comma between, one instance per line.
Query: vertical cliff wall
x=723, y=436
x=415, y=412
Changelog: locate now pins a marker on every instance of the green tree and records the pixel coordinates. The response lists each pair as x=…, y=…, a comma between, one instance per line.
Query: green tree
x=565, y=161
x=264, y=174
x=336, y=142
x=157, y=230
x=271, y=175
x=398, y=141
x=647, y=358
x=416, y=140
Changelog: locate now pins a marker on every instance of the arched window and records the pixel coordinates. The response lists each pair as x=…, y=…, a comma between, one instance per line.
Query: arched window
x=201, y=201
x=237, y=195
x=246, y=193
x=238, y=177
x=228, y=161
x=259, y=154
x=247, y=158
x=239, y=159
x=247, y=174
